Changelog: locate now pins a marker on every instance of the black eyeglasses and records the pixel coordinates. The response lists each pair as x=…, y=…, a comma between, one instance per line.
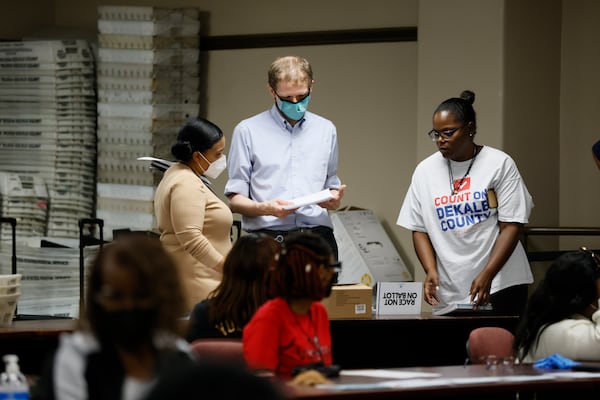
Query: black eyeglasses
x=594, y=256
x=288, y=98
x=434, y=135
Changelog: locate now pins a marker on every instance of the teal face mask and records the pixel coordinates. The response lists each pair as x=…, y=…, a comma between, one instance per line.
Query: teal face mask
x=293, y=111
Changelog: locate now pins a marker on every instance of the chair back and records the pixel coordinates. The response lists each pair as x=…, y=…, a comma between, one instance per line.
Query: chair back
x=223, y=351
x=489, y=341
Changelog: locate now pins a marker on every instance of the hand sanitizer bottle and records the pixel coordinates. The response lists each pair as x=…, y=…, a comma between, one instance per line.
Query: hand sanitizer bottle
x=13, y=385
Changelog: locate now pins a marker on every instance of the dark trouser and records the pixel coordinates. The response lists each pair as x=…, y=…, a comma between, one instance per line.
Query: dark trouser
x=510, y=301
x=323, y=231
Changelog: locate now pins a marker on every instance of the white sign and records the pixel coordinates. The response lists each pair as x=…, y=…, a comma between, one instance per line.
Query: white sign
x=394, y=298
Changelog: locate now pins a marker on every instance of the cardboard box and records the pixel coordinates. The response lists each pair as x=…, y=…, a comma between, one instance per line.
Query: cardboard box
x=349, y=302
x=367, y=254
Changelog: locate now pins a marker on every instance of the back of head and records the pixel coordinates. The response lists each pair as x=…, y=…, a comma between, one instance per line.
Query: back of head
x=596, y=150
x=570, y=282
x=568, y=288
x=213, y=381
x=460, y=107
x=155, y=276
x=198, y=134
x=290, y=69
x=250, y=256
x=243, y=288
x=296, y=273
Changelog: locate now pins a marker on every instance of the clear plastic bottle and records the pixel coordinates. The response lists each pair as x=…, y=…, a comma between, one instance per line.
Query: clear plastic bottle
x=13, y=384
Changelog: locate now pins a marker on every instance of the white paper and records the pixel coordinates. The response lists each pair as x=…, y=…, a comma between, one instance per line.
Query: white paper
x=313, y=198
x=443, y=310
x=387, y=373
x=157, y=162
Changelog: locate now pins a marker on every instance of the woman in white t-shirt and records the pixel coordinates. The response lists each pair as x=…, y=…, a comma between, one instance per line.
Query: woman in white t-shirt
x=562, y=313
x=466, y=206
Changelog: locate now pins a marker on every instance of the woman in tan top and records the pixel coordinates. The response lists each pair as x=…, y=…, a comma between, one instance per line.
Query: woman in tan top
x=194, y=223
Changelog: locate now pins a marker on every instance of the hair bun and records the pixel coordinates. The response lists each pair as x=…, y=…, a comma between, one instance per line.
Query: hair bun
x=468, y=96
x=182, y=150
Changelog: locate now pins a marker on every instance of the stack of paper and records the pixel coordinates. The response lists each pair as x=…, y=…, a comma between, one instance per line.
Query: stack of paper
x=25, y=198
x=148, y=86
x=48, y=124
x=50, y=278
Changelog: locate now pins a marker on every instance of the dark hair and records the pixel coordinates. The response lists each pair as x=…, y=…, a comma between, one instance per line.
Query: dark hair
x=596, y=150
x=198, y=134
x=296, y=273
x=460, y=107
x=242, y=289
x=214, y=381
x=156, y=274
x=568, y=288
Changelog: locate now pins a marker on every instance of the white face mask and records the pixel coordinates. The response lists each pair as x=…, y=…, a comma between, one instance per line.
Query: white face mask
x=216, y=167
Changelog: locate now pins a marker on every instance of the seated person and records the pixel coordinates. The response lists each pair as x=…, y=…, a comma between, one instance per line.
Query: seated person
x=562, y=313
x=231, y=305
x=292, y=329
x=128, y=333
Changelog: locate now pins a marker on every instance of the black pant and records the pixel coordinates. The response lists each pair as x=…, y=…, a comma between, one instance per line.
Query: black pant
x=510, y=301
x=324, y=231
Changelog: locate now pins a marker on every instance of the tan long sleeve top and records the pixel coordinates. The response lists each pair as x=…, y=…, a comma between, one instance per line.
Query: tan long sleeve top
x=194, y=227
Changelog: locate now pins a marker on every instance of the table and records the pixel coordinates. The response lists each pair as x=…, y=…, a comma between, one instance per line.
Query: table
x=380, y=342
x=465, y=382
x=408, y=340
x=32, y=340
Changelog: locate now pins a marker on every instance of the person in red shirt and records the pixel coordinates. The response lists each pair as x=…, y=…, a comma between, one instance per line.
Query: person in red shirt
x=292, y=329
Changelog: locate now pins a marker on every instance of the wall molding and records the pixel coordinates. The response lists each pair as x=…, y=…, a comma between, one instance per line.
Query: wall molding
x=314, y=38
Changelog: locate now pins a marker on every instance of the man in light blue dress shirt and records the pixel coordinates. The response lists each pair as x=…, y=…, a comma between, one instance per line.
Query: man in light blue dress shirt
x=282, y=154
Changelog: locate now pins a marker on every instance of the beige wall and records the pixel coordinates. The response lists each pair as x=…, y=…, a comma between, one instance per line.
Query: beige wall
x=230, y=17
x=452, y=58
x=368, y=90
x=579, y=128
x=21, y=18
x=531, y=99
x=532, y=63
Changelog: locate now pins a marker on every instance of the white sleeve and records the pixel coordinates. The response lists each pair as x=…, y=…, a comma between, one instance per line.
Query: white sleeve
x=69, y=368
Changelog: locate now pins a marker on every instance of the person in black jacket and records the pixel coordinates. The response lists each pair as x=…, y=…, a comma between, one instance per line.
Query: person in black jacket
x=231, y=305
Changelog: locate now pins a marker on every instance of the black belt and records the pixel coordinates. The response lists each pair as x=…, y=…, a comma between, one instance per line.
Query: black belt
x=280, y=235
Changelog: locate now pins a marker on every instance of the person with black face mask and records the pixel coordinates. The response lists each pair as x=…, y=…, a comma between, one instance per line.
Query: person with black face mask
x=290, y=333
x=130, y=330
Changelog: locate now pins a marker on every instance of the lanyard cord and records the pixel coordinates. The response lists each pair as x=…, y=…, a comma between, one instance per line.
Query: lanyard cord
x=455, y=187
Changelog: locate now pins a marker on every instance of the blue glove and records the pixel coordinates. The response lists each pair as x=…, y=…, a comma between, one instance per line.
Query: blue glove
x=555, y=361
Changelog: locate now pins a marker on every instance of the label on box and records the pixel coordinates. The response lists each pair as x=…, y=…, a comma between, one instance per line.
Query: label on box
x=394, y=298
x=349, y=302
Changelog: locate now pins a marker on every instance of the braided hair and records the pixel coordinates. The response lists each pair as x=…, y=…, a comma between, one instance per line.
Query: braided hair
x=296, y=274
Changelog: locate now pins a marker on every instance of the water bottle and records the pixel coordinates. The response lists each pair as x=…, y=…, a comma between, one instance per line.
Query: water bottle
x=13, y=385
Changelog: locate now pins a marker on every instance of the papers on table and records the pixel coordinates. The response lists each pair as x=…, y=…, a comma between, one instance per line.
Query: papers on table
x=387, y=373
x=415, y=379
x=459, y=307
x=313, y=198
